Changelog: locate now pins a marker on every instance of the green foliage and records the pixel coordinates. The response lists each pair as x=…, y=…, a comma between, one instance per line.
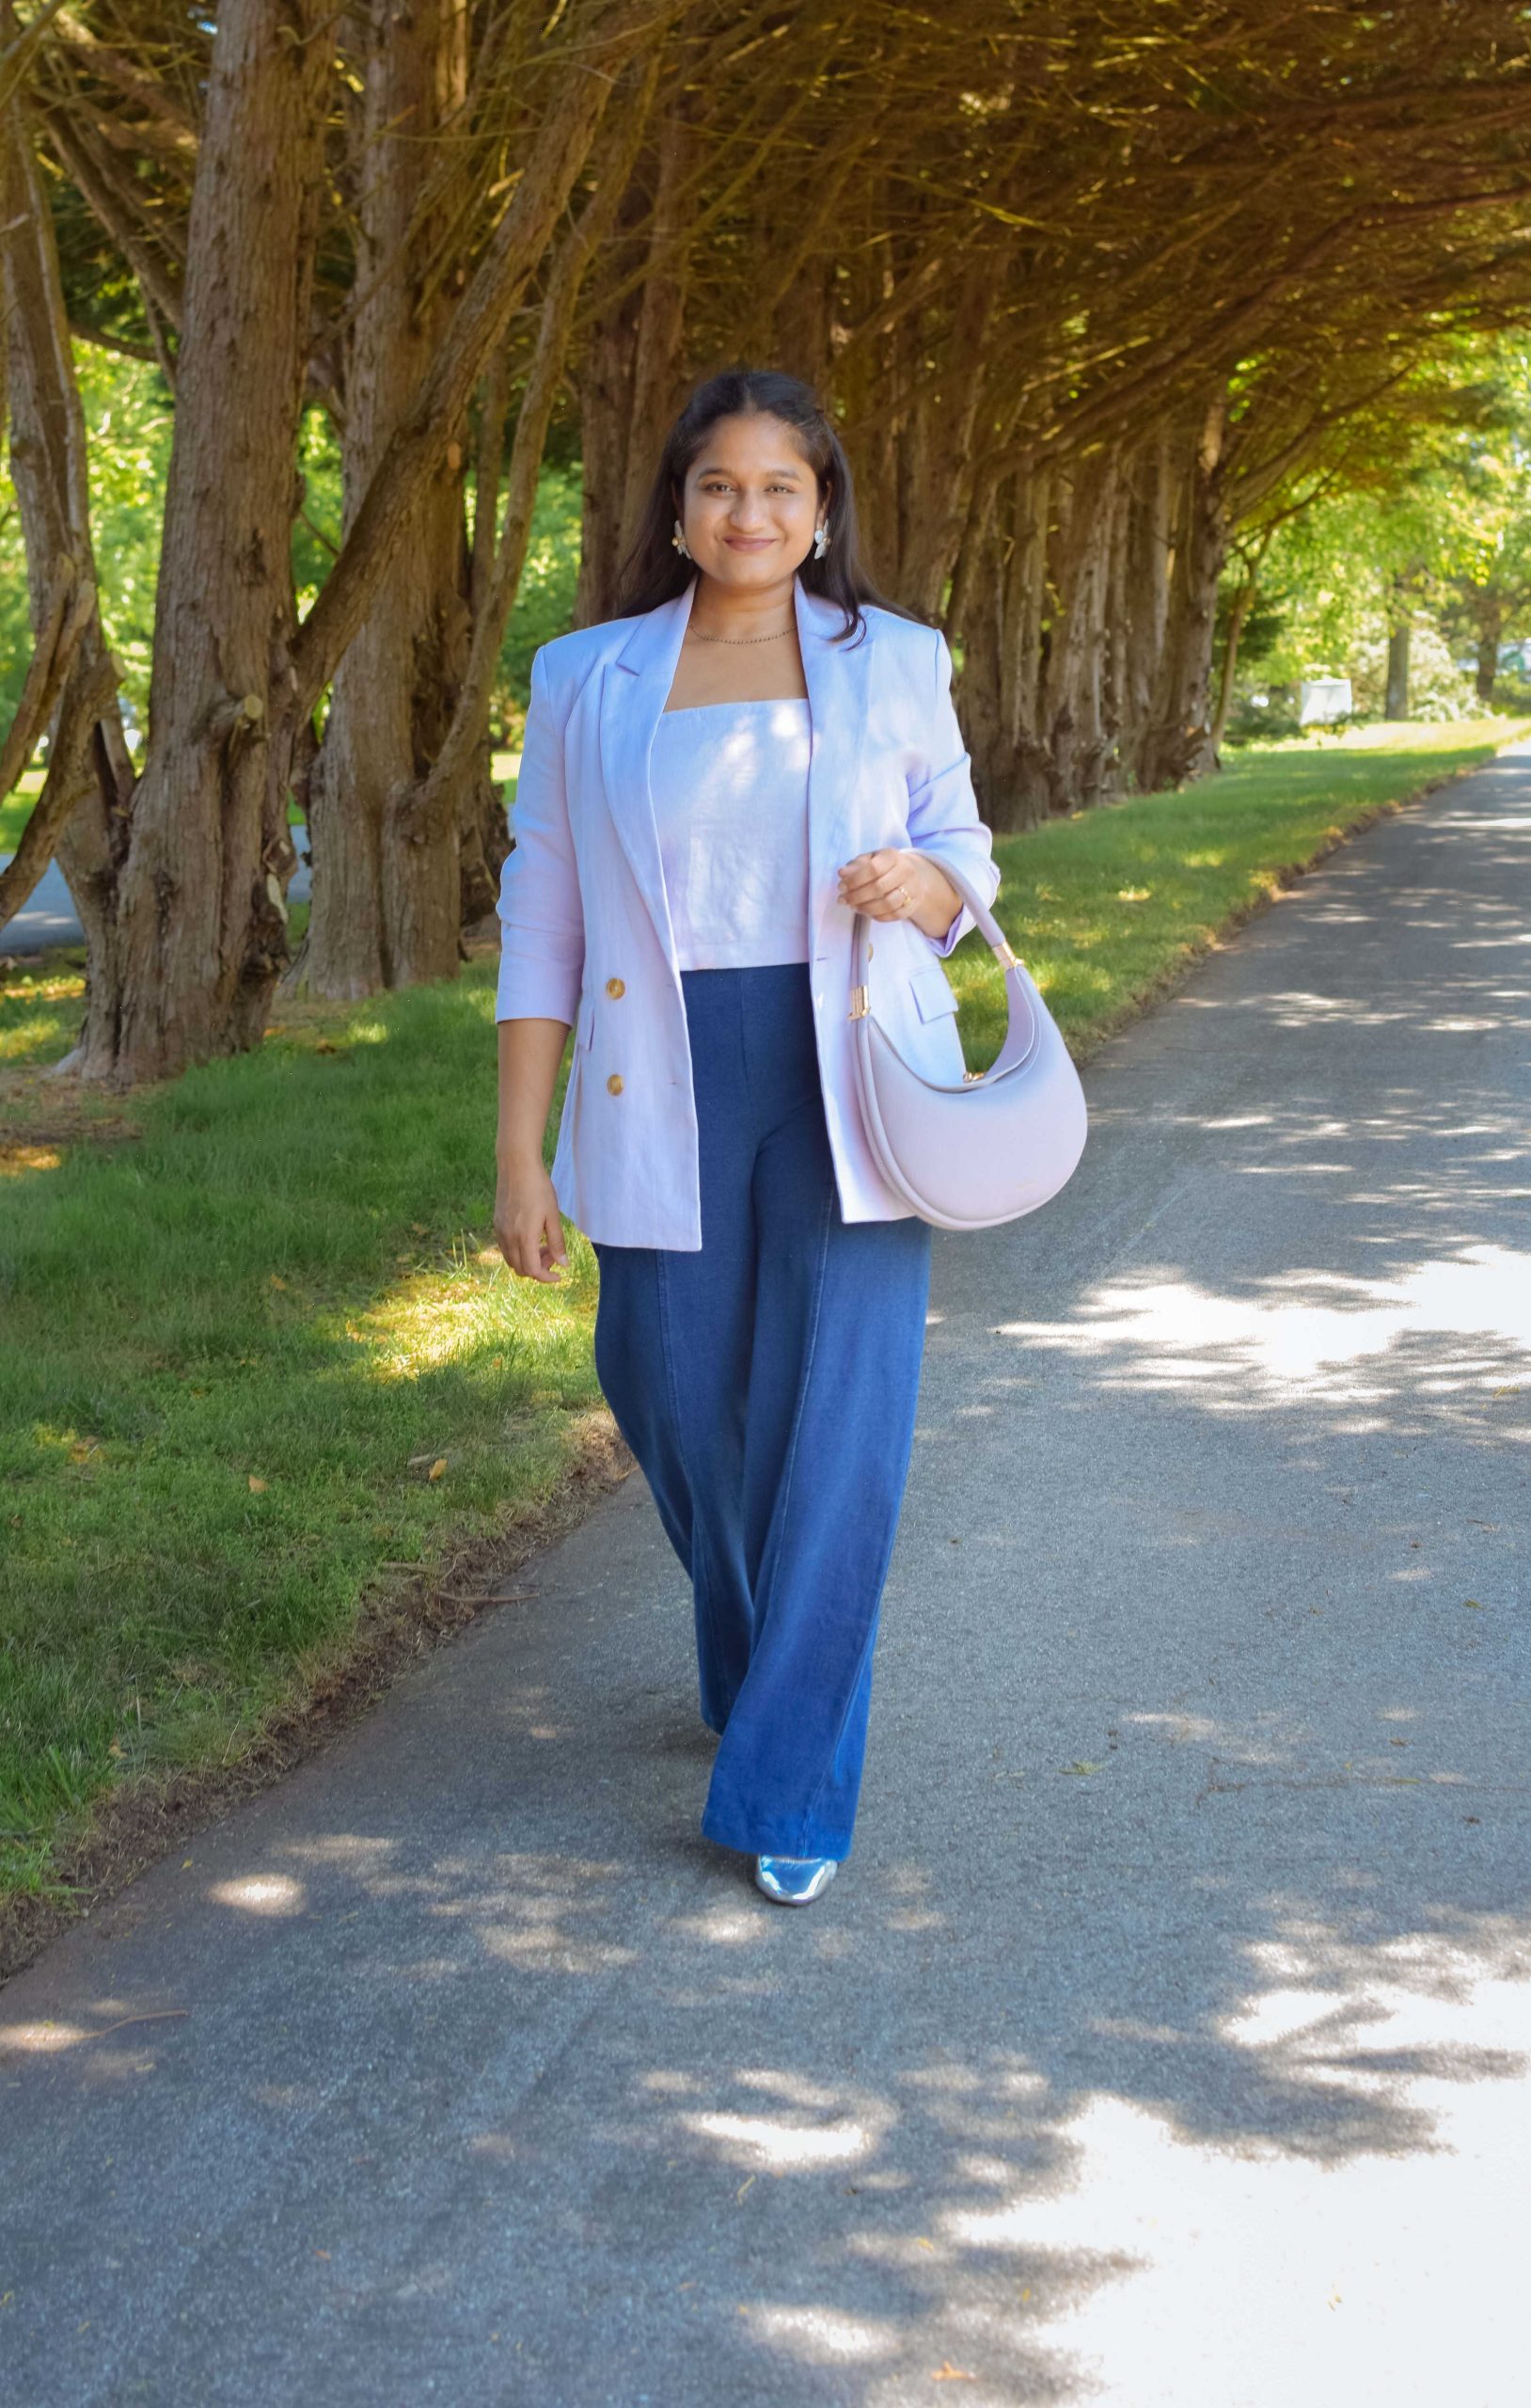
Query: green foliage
x=545, y=602
x=1265, y=721
x=214, y=1447
x=15, y=622
x=1430, y=521
x=1438, y=687
x=544, y=605
x=316, y=532
x=128, y=421
x=1482, y=558
x=1324, y=583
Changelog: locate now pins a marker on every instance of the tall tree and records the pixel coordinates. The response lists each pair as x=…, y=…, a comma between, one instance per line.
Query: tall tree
x=385, y=913
x=195, y=922
x=70, y=690
x=200, y=919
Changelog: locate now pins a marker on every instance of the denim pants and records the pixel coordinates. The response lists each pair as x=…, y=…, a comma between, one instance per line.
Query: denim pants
x=766, y=1386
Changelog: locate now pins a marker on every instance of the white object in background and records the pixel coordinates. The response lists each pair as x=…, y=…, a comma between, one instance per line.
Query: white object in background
x=1323, y=698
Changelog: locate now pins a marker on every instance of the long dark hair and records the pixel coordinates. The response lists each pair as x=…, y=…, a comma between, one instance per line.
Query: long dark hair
x=653, y=571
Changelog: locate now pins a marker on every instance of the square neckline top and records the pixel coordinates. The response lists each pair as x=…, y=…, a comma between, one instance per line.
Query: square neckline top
x=728, y=788
x=756, y=702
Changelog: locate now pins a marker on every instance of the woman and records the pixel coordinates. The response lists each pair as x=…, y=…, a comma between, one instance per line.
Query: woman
x=712, y=786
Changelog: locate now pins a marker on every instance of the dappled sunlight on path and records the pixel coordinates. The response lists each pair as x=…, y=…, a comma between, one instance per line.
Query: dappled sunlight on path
x=1311, y=1334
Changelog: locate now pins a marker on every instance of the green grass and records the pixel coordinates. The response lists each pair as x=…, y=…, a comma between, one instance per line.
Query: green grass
x=235, y=1344
x=16, y=810
x=245, y=1315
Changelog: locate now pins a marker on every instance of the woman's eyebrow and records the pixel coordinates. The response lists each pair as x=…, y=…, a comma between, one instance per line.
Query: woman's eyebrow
x=715, y=469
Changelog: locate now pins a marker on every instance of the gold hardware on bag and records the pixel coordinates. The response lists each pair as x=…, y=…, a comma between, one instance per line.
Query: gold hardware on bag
x=970, y=1078
x=859, y=1006
x=1005, y=956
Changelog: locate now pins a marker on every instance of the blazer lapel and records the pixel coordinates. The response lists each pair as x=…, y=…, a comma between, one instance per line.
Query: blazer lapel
x=635, y=687
x=837, y=677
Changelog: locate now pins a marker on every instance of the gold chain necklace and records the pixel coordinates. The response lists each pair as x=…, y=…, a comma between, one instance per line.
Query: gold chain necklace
x=775, y=637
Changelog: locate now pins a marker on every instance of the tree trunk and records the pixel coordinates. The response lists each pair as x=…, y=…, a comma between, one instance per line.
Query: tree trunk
x=386, y=911
x=633, y=375
x=659, y=365
x=1397, y=702
x=1145, y=602
x=555, y=154
x=940, y=448
x=1073, y=718
x=1024, y=644
x=202, y=923
x=1490, y=629
x=803, y=319
x=80, y=818
x=1179, y=744
x=605, y=385
x=1116, y=624
x=201, y=928
x=977, y=615
x=1243, y=602
x=998, y=604
x=499, y=556
x=862, y=387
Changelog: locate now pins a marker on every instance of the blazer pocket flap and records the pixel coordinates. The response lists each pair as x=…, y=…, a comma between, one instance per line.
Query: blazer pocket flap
x=933, y=992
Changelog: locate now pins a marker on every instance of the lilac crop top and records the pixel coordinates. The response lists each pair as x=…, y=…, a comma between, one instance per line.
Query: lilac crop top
x=730, y=787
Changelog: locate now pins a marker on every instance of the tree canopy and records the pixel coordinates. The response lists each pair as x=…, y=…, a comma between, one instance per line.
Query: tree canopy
x=1101, y=296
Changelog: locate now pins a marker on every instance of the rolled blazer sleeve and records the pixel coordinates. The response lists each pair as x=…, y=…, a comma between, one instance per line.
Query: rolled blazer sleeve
x=943, y=810
x=542, y=921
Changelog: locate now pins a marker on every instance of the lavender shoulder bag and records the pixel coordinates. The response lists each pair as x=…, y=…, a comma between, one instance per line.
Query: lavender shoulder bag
x=1002, y=1140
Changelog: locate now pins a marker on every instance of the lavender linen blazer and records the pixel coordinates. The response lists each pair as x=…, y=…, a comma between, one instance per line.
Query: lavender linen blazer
x=586, y=935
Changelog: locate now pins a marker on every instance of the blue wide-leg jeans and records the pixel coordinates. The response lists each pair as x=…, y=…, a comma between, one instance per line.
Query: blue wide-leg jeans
x=767, y=1387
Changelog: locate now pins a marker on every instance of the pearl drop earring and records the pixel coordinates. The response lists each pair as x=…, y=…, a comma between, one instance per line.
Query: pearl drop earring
x=678, y=540
x=821, y=542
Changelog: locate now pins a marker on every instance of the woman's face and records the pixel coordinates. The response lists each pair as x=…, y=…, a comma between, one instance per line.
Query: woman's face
x=752, y=503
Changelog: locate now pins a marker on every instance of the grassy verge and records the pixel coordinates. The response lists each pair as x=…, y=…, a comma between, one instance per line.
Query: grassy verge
x=260, y=1376
x=272, y=1410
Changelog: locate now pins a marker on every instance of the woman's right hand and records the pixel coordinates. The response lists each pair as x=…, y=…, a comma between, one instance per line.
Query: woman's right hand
x=527, y=1228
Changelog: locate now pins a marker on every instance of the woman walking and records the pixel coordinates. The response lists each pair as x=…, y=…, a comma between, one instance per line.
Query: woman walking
x=712, y=786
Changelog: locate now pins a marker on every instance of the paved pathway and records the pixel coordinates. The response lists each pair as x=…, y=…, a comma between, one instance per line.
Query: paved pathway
x=1166, y=2038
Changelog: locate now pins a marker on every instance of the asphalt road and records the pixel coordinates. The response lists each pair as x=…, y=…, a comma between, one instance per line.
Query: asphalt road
x=1166, y=2038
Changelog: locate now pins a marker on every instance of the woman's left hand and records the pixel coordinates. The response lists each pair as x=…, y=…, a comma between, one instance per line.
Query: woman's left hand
x=900, y=884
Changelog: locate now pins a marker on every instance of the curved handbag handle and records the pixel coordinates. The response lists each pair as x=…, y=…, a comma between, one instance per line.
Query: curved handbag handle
x=970, y=1152
x=1024, y=1028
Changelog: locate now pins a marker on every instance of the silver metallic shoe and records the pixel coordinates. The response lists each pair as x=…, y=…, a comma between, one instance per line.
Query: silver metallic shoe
x=795, y=1880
